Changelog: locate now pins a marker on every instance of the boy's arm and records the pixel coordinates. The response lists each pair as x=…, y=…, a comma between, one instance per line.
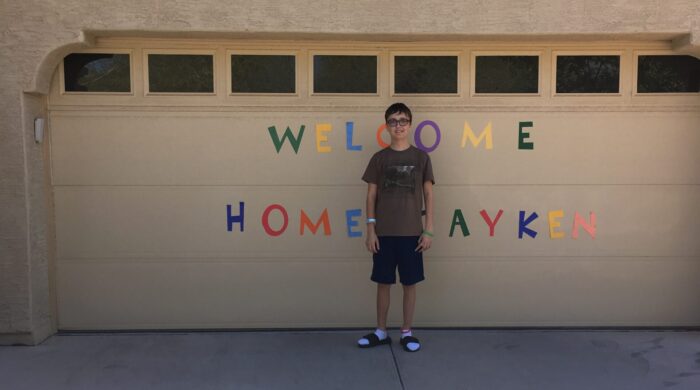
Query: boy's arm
x=372, y=241
x=426, y=238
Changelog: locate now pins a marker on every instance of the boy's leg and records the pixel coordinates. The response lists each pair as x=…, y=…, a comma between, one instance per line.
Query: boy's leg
x=411, y=272
x=409, y=343
x=380, y=335
x=383, y=301
x=409, y=306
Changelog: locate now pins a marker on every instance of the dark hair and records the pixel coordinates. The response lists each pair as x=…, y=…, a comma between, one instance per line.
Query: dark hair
x=398, y=108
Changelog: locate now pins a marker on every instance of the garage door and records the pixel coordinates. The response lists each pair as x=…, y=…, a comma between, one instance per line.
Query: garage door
x=233, y=199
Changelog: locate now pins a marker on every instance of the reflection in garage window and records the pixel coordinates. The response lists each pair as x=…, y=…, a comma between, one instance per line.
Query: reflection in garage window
x=96, y=72
x=425, y=74
x=588, y=74
x=665, y=74
x=262, y=73
x=192, y=73
x=506, y=74
x=345, y=74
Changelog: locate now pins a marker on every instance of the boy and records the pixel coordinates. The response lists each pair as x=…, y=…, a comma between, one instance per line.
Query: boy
x=400, y=179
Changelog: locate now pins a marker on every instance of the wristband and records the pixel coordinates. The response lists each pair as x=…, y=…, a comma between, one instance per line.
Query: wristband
x=427, y=233
x=371, y=220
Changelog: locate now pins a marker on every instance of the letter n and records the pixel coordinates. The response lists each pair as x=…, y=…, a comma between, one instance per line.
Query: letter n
x=590, y=228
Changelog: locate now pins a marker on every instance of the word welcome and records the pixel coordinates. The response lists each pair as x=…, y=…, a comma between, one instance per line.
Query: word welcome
x=352, y=217
x=322, y=130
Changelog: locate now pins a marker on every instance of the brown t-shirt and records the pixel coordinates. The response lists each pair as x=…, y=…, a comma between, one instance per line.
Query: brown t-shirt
x=399, y=177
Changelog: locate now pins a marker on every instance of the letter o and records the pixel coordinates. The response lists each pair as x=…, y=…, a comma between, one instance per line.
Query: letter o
x=416, y=136
x=266, y=222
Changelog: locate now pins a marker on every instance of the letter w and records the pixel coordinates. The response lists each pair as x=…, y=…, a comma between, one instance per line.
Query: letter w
x=287, y=135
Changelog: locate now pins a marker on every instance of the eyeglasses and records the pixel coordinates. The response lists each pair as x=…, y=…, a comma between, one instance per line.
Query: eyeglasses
x=400, y=122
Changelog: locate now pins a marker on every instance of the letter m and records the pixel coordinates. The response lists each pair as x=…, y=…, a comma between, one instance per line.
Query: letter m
x=485, y=135
x=295, y=141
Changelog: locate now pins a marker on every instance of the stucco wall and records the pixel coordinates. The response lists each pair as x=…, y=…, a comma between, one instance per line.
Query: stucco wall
x=34, y=36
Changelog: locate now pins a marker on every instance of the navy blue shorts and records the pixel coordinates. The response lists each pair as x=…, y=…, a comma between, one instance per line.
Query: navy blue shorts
x=395, y=251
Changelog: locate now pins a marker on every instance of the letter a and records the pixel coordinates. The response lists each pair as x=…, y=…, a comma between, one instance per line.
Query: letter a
x=458, y=219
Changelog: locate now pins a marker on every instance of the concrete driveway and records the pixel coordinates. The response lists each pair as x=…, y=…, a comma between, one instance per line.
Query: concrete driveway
x=450, y=359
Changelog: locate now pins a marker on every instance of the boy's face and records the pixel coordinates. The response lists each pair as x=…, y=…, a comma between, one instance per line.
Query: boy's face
x=398, y=125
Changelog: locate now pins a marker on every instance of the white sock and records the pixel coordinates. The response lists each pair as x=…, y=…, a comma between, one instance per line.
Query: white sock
x=411, y=346
x=380, y=333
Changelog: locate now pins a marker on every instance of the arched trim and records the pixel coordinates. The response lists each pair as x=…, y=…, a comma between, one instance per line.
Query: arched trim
x=41, y=81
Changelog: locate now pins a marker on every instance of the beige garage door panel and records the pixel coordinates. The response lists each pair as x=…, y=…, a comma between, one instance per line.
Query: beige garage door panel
x=176, y=293
x=142, y=148
x=477, y=292
x=191, y=222
x=561, y=292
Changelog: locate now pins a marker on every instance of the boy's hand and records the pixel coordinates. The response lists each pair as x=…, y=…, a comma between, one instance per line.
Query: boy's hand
x=372, y=243
x=424, y=243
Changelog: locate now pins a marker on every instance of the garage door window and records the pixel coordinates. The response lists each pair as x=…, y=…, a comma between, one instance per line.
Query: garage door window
x=263, y=73
x=425, y=74
x=181, y=73
x=588, y=74
x=668, y=74
x=506, y=74
x=345, y=74
x=97, y=72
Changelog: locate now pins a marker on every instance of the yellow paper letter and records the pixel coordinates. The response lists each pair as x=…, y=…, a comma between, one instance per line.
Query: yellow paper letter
x=485, y=134
x=322, y=128
x=553, y=223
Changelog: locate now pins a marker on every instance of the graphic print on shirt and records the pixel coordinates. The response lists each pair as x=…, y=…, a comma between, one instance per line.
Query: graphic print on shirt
x=400, y=178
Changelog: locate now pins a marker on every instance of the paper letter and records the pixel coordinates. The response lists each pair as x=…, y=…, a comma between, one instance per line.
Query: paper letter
x=266, y=222
x=588, y=227
x=287, y=135
x=485, y=134
x=419, y=129
x=458, y=219
x=522, y=225
x=305, y=221
x=523, y=135
x=380, y=141
x=492, y=224
x=231, y=219
x=349, y=215
x=322, y=128
x=554, y=223
x=348, y=137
